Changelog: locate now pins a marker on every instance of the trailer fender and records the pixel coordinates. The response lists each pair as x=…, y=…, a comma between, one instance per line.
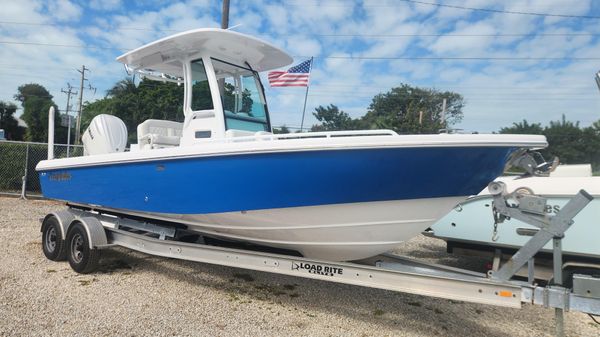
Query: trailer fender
x=64, y=217
x=94, y=230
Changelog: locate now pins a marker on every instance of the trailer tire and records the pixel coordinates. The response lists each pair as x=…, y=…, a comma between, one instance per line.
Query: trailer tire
x=82, y=258
x=53, y=245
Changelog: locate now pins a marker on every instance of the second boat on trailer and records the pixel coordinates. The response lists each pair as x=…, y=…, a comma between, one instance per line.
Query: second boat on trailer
x=330, y=195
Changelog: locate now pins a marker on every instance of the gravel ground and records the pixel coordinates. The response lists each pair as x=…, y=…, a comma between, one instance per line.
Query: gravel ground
x=140, y=295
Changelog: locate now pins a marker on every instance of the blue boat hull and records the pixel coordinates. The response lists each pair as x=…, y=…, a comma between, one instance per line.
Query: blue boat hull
x=257, y=181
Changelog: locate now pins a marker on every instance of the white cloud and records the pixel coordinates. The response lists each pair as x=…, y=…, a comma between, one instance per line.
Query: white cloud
x=303, y=47
x=105, y=4
x=21, y=11
x=64, y=10
x=453, y=45
x=135, y=29
x=497, y=92
x=277, y=16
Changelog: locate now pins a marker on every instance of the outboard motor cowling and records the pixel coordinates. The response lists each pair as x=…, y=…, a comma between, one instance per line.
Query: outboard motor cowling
x=106, y=134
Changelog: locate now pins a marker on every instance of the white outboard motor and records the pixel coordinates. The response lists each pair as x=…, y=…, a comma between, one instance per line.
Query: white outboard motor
x=106, y=134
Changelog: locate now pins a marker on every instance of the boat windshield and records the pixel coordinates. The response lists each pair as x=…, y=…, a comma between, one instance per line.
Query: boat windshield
x=242, y=97
x=201, y=99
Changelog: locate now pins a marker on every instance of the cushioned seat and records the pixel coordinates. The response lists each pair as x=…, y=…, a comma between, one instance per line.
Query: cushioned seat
x=158, y=134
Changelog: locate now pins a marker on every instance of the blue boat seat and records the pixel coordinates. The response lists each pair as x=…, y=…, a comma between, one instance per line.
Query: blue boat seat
x=158, y=134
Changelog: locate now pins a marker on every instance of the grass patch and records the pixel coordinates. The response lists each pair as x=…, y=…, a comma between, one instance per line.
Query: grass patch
x=114, y=265
x=289, y=287
x=86, y=282
x=378, y=312
x=244, y=277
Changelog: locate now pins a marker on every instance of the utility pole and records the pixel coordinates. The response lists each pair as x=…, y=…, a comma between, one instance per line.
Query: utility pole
x=225, y=15
x=224, y=25
x=69, y=92
x=77, y=130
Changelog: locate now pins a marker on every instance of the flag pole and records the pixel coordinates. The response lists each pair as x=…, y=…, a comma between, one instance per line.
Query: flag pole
x=306, y=95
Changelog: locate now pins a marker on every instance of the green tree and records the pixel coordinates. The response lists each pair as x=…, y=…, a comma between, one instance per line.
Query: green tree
x=229, y=99
x=26, y=91
x=404, y=109
x=283, y=129
x=9, y=123
x=121, y=88
x=566, y=140
x=524, y=128
x=591, y=147
x=408, y=109
x=332, y=119
x=36, y=101
x=35, y=114
x=91, y=110
x=134, y=104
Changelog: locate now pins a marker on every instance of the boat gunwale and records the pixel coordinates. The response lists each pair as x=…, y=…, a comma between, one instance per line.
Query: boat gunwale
x=266, y=146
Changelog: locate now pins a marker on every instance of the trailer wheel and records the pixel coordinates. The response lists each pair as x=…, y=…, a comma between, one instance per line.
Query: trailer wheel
x=52, y=243
x=82, y=258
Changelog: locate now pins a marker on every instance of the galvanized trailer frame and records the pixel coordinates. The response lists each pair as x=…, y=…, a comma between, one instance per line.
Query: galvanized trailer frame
x=104, y=228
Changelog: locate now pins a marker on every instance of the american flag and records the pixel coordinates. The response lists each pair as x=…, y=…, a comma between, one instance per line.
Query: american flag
x=296, y=76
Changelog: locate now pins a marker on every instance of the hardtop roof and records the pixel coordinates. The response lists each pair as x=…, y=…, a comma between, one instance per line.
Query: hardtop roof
x=165, y=55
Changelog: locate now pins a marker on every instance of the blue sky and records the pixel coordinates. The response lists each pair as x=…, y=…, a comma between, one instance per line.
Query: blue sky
x=542, y=66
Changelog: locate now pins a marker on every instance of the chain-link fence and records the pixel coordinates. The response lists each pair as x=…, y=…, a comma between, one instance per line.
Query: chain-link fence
x=18, y=161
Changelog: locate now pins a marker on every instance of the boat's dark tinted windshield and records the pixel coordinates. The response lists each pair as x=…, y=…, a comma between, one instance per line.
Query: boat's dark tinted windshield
x=201, y=99
x=242, y=97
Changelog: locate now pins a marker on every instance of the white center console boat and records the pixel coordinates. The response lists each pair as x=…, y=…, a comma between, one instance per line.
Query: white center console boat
x=331, y=195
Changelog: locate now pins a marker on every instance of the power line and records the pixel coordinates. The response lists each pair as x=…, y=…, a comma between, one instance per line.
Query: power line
x=49, y=76
x=58, y=45
x=436, y=86
x=430, y=58
x=21, y=66
x=439, y=58
x=507, y=97
x=333, y=35
x=62, y=25
x=563, y=92
x=489, y=10
x=446, y=35
x=501, y=11
x=482, y=98
x=337, y=35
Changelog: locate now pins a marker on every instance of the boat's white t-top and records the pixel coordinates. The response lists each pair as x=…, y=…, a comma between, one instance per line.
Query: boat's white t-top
x=223, y=93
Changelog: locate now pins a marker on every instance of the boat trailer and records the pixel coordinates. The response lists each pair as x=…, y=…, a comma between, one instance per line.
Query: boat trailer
x=80, y=233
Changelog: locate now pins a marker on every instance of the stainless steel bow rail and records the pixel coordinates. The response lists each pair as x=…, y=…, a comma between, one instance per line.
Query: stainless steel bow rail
x=80, y=232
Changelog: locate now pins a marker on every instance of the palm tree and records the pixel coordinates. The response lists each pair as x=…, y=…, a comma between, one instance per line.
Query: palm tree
x=125, y=86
